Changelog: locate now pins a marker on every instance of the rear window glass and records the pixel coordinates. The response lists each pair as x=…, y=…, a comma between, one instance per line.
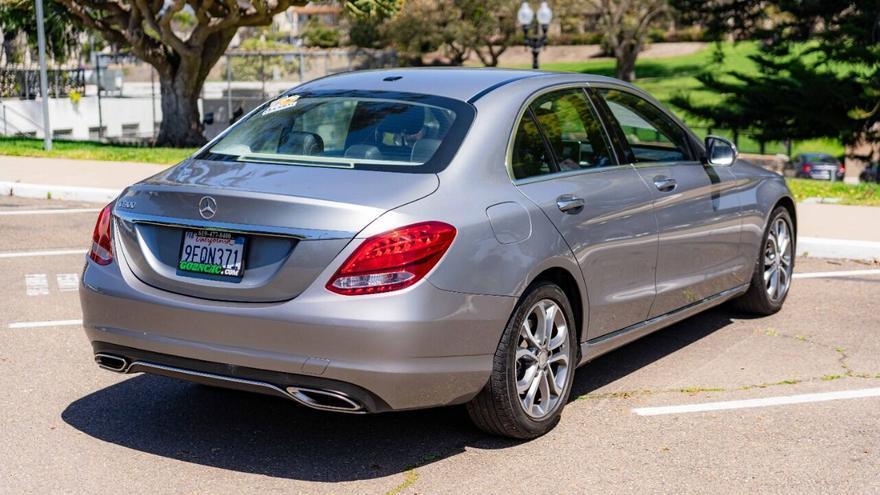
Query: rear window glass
x=340, y=131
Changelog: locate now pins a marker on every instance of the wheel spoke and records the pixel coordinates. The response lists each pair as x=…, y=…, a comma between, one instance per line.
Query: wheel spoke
x=528, y=378
x=768, y=273
x=554, y=387
x=774, y=283
x=560, y=358
x=528, y=354
x=529, y=400
x=549, y=319
x=527, y=334
x=544, y=387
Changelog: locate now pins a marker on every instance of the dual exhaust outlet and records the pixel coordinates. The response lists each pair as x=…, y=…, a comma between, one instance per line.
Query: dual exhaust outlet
x=325, y=400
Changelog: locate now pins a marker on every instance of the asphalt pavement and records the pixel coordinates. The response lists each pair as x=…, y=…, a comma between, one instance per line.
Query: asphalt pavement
x=70, y=427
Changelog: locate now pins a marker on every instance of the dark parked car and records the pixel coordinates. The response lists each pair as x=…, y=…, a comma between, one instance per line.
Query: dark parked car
x=871, y=173
x=819, y=166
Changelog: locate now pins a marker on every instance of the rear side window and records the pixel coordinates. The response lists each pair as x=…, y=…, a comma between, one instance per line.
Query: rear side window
x=573, y=130
x=531, y=157
x=652, y=136
x=341, y=131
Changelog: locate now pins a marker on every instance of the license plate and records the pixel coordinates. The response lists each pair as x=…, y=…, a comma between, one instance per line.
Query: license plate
x=210, y=252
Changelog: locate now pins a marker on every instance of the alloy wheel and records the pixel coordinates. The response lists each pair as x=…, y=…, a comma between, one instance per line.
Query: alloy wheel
x=778, y=260
x=542, y=359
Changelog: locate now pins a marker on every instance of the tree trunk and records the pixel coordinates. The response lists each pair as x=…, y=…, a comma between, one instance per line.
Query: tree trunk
x=181, y=80
x=626, y=55
x=181, y=122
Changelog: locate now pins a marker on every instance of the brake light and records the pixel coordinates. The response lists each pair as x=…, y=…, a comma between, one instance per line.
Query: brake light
x=393, y=260
x=807, y=168
x=102, y=240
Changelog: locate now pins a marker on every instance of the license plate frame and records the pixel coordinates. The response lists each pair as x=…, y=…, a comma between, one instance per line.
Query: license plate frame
x=230, y=250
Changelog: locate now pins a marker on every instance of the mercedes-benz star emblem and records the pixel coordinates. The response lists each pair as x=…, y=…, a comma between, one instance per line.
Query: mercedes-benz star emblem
x=207, y=207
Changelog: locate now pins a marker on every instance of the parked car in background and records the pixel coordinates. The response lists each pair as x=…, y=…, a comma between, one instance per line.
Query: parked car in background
x=411, y=238
x=871, y=173
x=820, y=166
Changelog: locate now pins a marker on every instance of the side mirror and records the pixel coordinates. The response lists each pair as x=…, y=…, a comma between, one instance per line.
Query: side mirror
x=209, y=118
x=720, y=152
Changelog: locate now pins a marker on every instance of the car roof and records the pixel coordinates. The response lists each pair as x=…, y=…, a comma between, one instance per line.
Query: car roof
x=462, y=83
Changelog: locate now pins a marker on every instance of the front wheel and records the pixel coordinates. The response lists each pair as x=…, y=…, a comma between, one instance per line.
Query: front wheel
x=533, y=368
x=773, y=268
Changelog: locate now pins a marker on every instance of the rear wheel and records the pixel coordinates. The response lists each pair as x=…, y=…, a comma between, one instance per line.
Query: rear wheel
x=773, y=268
x=533, y=368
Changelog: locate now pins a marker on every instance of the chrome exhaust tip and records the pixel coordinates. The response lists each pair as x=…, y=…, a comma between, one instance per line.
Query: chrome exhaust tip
x=326, y=400
x=111, y=362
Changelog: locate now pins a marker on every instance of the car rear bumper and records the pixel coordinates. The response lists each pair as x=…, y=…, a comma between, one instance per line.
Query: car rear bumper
x=420, y=347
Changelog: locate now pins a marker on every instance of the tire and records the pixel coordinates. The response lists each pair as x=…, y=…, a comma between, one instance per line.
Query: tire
x=500, y=408
x=759, y=299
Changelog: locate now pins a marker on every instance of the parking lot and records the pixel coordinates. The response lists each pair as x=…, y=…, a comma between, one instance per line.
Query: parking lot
x=70, y=427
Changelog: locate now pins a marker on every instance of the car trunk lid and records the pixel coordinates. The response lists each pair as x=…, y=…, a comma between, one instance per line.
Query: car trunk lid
x=294, y=219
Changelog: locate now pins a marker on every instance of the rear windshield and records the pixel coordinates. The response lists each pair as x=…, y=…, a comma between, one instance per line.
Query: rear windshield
x=344, y=131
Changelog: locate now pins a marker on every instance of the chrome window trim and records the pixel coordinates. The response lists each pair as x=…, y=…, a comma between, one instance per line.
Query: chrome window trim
x=236, y=228
x=508, y=157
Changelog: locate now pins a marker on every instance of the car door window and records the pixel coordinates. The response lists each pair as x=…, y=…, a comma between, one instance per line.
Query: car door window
x=531, y=157
x=652, y=136
x=573, y=130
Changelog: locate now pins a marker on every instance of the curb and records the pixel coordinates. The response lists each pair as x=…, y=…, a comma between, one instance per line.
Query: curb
x=69, y=193
x=819, y=247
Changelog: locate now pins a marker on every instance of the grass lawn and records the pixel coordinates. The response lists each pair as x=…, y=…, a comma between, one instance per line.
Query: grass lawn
x=84, y=150
x=666, y=77
x=863, y=194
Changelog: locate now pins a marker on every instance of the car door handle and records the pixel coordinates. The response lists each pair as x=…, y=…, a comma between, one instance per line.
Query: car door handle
x=664, y=184
x=568, y=203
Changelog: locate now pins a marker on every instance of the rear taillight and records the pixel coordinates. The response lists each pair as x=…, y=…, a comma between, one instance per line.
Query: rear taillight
x=807, y=168
x=393, y=260
x=102, y=241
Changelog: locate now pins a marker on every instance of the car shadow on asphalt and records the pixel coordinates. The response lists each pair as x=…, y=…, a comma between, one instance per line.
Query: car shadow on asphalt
x=270, y=436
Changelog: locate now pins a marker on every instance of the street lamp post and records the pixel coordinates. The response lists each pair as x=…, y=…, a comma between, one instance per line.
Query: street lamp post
x=44, y=80
x=538, y=40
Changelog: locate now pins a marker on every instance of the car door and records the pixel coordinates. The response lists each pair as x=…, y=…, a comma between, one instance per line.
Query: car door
x=563, y=161
x=698, y=211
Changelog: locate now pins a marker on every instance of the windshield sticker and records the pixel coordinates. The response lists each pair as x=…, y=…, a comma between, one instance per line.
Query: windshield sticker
x=281, y=104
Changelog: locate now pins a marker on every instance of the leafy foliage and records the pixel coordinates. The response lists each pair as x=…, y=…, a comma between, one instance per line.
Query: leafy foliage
x=818, y=68
x=457, y=29
x=19, y=17
x=318, y=34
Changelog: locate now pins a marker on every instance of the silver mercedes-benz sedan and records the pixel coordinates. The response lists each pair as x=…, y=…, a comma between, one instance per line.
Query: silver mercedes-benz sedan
x=411, y=238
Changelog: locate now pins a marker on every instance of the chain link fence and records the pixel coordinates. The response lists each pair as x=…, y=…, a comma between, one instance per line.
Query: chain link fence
x=117, y=98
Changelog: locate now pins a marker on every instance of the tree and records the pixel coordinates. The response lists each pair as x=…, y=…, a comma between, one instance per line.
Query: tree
x=817, y=68
x=457, y=29
x=18, y=17
x=625, y=25
x=182, y=54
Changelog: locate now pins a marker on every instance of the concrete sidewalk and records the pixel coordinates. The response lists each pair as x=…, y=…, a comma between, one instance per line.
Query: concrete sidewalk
x=824, y=230
x=75, y=180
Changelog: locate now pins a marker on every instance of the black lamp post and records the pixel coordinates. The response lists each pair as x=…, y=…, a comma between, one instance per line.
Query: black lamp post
x=535, y=41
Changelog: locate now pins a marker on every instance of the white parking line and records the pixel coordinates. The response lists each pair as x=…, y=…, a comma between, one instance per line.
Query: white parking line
x=44, y=324
x=845, y=273
x=36, y=284
x=49, y=211
x=766, y=402
x=52, y=252
x=67, y=282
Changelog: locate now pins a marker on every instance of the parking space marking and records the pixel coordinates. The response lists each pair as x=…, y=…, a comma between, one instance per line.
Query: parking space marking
x=49, y=211
x=67, y=281
x=51, y=252
x=765, y=402
x=845, y=273
x=44, y=324
x=36, y=284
